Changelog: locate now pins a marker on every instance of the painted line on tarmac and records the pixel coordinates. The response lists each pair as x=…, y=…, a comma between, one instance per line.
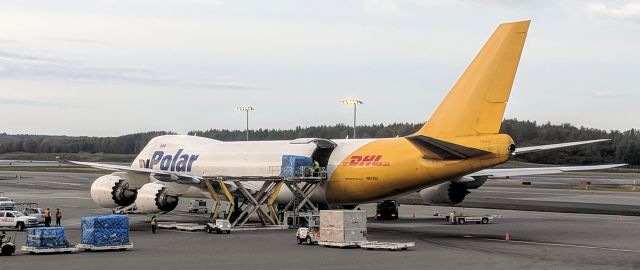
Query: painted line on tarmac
x=564, y=245
x=530, y=193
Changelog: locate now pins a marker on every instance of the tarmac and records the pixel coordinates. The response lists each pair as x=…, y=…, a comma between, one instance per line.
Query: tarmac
x=537, y=240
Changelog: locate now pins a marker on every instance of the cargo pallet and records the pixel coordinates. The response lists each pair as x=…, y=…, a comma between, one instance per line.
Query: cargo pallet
x=340, y=244
x=387, y=245
x=35, y=250
x=88, y=247
x=369, y=245
x=191, y=227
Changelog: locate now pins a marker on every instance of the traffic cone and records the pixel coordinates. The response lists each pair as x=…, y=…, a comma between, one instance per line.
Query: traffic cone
x=507, y=237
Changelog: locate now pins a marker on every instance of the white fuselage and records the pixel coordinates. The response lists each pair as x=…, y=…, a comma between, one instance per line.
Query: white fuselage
x=200, y=156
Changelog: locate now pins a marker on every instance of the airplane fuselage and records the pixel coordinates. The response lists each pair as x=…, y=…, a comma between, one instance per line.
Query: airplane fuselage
x=359, y=170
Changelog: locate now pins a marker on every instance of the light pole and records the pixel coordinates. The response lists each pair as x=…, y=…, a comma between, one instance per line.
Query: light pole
x=355, y=103
x=245, y=109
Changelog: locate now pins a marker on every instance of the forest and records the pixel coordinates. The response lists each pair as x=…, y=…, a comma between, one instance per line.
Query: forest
x=624, y=146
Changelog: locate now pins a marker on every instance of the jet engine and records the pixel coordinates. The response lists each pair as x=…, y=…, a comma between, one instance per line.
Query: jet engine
x=111, y=190
x=451, y=192
x=155, y=198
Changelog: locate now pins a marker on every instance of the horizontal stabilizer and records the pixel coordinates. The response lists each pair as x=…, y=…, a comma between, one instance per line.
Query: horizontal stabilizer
x=540, y=171
x=445, y=150
x=531, y=149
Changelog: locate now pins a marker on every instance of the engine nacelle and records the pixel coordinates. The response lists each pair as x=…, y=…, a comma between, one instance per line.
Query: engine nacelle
x=449, y=193
x=110, y=191
x=155, y=198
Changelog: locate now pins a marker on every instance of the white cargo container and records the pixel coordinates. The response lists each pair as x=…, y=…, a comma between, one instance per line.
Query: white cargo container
x=343, y=226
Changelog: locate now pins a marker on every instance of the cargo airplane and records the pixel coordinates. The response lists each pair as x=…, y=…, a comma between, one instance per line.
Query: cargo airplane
x=453, y=152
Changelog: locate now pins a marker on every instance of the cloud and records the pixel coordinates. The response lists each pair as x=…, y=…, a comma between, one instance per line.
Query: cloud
x=627, y=12
x=381, y=7
x=607, y=95
x=25, y=57
x=20, y=64
x=32, y=102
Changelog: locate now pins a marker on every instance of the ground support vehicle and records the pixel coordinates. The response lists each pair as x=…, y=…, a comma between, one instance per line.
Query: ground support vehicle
x=32, y=210
x=387, y=210
x=7, y=248
x=6, y=203
x=309, y=236
x=462, y=218
x=15, y=219
x=197, y=206
x=220, y=226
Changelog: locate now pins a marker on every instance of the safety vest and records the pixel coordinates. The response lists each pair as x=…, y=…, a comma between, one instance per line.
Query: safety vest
x=47, y=213
x=153, y=221
x=59, y=214
x=316, y=165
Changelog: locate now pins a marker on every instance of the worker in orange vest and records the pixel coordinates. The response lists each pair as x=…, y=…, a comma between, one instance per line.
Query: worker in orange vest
x=47, y=217
x=58, y=217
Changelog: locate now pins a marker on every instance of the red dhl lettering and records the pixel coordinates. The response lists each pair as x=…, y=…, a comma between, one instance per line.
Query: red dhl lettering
x=365, y=161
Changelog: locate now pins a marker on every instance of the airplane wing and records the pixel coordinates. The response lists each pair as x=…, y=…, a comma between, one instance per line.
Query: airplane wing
x=164, y=176
x=113, y=167
x=169, y=176
x=531, y=149
x=539, y=171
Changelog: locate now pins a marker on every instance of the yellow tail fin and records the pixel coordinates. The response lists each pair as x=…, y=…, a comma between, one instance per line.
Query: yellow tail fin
x=476, y=103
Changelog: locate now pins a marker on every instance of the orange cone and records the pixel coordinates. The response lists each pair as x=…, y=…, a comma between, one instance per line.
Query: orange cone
x=507, y=237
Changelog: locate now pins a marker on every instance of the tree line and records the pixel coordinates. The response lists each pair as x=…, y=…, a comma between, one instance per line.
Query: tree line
x=624, y=146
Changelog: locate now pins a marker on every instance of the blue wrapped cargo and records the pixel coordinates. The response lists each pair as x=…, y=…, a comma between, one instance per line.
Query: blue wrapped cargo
x=291, y=165
x=46, y=237
x=109, y=230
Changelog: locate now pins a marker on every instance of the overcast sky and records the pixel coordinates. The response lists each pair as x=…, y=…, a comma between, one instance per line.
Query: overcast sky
x=114, y=67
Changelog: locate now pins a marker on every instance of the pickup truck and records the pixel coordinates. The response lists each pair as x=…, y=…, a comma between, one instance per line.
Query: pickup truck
x=6, y=203
x=15, y=219
x=38, y=213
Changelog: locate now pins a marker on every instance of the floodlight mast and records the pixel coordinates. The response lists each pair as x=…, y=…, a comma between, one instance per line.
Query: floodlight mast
x=355, y=103
x=246, y=109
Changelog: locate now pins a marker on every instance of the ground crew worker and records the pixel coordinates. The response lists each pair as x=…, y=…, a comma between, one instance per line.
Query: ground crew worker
x=154, y=224
x=316, y=168
x=47, y=217
x=3, y=237
x=58, y=216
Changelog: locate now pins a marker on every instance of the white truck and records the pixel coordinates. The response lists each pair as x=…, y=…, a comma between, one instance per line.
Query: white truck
x=15, y=219
x=309, y=236
x=38, y=213
x=221, y=226
x=6, y=203
x=197, y=206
